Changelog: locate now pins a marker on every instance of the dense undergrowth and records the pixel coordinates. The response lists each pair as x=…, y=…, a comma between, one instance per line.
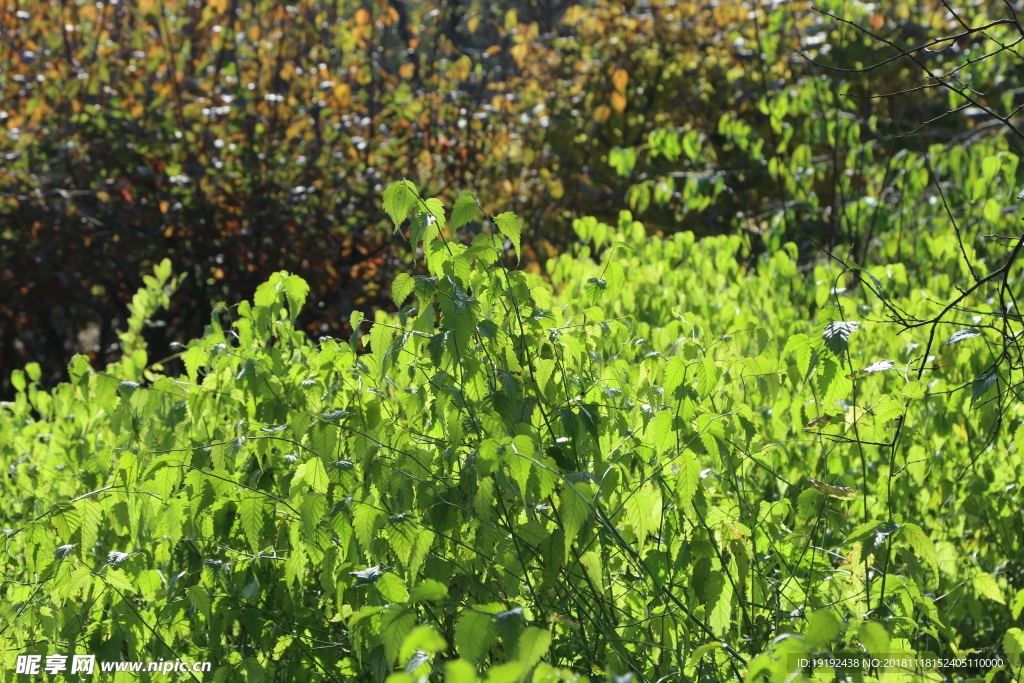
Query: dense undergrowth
x=654, y=463
x=246, y=137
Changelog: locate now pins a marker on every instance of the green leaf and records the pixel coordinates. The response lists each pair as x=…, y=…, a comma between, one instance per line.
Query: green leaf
x=423, y=229
x=922, y=546
x=986, y=586
x=392, y=588
x=428, y=589
x=614, y=276
x=459, y=671
x=800, y=346
x=435, y=207
x=316, y=476
x=508, y=224
x=399, y=200
x=395, y=624
x=687, y=480
x=200, y=598
x=874, y=638
x=837, y=335
x=886, y=409
x=251, y=514
x=533, y=645
x=1013, y=646
x=719, y=604
x=364, y=522
x=981, y=385
x=464, y=210
x=573, y=509
x=474, y=634
x=401, y=288
x=707, y=377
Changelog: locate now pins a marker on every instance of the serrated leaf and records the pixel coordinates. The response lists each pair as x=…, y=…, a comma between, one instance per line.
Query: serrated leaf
x=118, y=579
x=251, y=514
x=401, y=288
x=364, y=522
x=464, y=210
x=687, y=480
x=719, y=607
x=981, y=385
x=533, y=645
x=435, y=207
x=392, y=588
x=675, y=374
x=474, y=633
x=399, y=200
x=986, y=586
x=508, y=224
x=573, y=510
x=428, y=589
x=395, y=625
x=200, y=598
x=1013, y=646
x=423, y=229
x=614, y=276
x=886, y=409
x=707, y=376
x=961, y=335
x=922, y=545
x=837, y=335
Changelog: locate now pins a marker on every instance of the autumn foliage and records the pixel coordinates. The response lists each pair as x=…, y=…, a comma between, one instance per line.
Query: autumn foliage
x=242, y=137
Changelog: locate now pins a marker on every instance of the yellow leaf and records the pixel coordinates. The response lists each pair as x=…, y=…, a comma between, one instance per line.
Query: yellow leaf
x=362, y=17
x=618, y=102
x=492, y=50
x=146, y=6
x=511, y=19
x=406, y=71
x=602, y=113
x=103, y=196
x=472, y=24
x=572, y=15
x=620, y=79
x=342, y=94
x=221, y=6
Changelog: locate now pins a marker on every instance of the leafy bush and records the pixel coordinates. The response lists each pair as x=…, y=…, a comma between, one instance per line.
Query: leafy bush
x=654, y=465
x=241, y=138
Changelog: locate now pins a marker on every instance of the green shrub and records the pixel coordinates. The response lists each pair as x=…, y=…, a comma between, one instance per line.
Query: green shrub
x=656, y=465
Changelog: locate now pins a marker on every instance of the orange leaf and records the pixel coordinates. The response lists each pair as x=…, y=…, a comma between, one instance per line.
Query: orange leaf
x=618, y=102
x=362, y=17
x=165, y=206
x=620, y=79
x=877, y=21
x=406, y=71
x=492, y=50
